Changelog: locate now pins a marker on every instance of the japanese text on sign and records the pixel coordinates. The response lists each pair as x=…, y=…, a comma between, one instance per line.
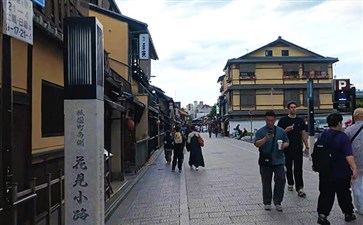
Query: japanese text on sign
x=18, y=19
x=144, y=46
x=79, y=165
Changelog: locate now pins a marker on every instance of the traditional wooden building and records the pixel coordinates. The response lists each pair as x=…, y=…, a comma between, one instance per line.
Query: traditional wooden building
x=269, y=77
x=38, y=116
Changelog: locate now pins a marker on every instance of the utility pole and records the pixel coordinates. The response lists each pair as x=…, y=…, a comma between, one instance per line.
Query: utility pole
x=310, y=91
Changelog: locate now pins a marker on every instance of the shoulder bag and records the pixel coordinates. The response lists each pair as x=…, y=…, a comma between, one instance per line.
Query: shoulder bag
x=356, y=134
x=266, y=157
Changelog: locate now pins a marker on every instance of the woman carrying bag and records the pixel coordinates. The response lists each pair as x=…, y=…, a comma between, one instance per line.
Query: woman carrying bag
x=194, y=147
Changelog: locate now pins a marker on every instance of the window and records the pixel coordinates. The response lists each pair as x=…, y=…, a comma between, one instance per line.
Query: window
x=291, y=70
x=316, y=98
x=52, y=110
x=285, y=52
x=292, y=95
x=315, y=70
x=268, y=52
x=248, y=98
x=247, y=71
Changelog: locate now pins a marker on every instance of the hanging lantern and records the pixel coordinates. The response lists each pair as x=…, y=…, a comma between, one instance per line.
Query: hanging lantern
x=130, y=124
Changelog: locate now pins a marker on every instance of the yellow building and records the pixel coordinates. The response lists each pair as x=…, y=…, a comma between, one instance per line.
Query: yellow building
x=269, y=77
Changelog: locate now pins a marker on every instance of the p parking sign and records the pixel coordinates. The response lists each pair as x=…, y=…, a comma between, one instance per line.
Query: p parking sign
x=342, y=85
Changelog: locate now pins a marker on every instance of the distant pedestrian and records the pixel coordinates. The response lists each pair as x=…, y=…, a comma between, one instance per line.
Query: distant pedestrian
x=195, y=157
x=216, y=130
x=210, y=130
x=355, y=134
x=336, y=180
x=168, y=146
x=295, y=128
x=178, y=155
x=272, y=160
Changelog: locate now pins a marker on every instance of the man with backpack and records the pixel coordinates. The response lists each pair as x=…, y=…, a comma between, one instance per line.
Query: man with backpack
x=336, y=169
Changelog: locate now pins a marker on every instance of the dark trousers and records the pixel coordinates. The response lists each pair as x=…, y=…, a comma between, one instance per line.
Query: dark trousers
x=279, y=178
x=168, y=153
x=328, y=188
x=178, y=156
x=294, y=158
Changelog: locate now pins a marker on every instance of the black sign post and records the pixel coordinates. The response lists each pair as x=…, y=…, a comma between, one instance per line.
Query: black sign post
x=6, y=131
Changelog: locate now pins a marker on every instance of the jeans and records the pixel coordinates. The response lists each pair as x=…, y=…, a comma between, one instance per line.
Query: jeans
x=357, y=187
x=279, y=178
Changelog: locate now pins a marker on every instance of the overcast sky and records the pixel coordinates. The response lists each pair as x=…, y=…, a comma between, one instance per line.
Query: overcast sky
x=195, y=38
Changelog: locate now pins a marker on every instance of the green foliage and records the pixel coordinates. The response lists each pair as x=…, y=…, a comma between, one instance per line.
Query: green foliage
x=212, y=113
x=359, y=103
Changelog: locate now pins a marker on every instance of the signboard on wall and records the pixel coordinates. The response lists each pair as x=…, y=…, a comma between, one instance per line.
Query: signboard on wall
x=18, y=20
x=144, y=46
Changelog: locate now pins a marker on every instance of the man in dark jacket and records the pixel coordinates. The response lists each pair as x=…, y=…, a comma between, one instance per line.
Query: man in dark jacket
x=338, y=179
x=168, y=146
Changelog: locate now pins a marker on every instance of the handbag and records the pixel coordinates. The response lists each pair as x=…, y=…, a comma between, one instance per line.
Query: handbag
x=266, y=157
x=200, y=140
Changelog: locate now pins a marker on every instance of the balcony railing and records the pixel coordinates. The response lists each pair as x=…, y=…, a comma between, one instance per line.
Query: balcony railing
x=51, y=16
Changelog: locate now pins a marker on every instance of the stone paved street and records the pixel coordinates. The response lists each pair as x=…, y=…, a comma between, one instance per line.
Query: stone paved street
x=226, y=191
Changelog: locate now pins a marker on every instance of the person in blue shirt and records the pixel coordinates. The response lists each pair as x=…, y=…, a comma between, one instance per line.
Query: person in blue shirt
x=266, y=140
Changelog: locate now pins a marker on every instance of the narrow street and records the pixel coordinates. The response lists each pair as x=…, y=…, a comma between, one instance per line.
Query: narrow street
x=226, y=191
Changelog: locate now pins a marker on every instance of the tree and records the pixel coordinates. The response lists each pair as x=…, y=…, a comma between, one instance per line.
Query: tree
x=212, y=113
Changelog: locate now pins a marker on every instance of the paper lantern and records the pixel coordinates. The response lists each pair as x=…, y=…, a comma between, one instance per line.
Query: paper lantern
x=130, y=125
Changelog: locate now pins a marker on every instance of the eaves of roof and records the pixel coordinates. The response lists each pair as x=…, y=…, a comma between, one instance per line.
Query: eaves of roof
x=278, y=41
x=275, y=86
x=134, y=25
x=314, y=57
x=220, y=78
x=288, y=59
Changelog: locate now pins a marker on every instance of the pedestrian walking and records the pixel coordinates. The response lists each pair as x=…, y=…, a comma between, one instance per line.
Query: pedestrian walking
x=210, y=130
x=178, y=155
x=355, y=134
x=193, y=146
x=296, y=131
x=168, y=146
x=270, y=141
x=337, y=179
x=216, y=130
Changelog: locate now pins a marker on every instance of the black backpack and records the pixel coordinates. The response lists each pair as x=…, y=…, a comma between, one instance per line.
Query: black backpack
x=322, y=158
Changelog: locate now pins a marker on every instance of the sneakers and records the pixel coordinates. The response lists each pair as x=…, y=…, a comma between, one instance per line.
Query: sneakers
x=290, y=187
x=196, y=169
x=278, y=208
x=350, y=217
x=267, y=207
x=301, y=193
x=322, y=219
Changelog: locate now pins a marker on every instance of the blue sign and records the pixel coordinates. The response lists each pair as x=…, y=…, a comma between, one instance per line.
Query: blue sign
x=40, y=2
